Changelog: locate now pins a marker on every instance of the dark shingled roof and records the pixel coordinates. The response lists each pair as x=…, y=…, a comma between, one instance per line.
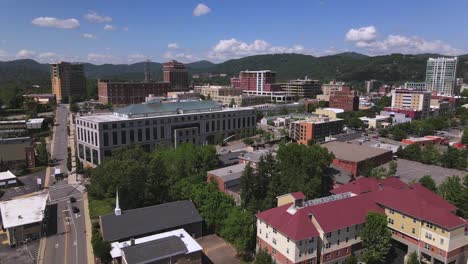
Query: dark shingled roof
x=155, y=250
x=148, y=220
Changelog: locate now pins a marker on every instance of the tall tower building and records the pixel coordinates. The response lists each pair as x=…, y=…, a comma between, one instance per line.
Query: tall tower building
x=176, y=74
x=68, y=80
x=440, y=75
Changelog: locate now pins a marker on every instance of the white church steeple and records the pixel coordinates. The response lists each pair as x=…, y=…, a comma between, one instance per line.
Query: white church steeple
x=117, y=210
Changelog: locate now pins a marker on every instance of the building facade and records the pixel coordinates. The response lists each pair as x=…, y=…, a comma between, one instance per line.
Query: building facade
x=315, y=128
x=441, y=75
x=227, y=95
x=415, y=86
x=346, y=100
x=159, y=123
x=124, y=93
x=417, y=100
x=15, y=152
x=42, y=98
x=372, y=85
x=68, y=80
x=256, y=81
x=302, y=88
x=333, y=86
x=176, y=74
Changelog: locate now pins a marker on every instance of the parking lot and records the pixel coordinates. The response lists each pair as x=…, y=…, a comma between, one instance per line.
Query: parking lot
x=412, y=171
x=218, y=250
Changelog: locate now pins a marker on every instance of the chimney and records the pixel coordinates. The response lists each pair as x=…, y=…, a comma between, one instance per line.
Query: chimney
x=117, y=210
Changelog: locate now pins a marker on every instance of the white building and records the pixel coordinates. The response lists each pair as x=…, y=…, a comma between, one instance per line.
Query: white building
x=440, y=75
x=7, y=178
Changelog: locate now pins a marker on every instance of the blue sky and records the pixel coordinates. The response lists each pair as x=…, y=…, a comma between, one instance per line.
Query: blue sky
x=118, y=31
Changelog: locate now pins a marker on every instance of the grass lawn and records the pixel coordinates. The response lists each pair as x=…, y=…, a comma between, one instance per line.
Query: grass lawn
x=101, y=207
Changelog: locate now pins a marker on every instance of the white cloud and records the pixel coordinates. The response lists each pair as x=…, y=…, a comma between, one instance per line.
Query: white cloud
x=99, y=58
x=232, y=48
x=69, y=23
x=201, y=10
x=94, y=17
x=398, y=44
x=173, y=45
x=47, y=57
x=110, y=27
x=136, y=57
x=362, y=34
x=24, y=53
x=88, y=36
x=4, y=55
x=181, y=56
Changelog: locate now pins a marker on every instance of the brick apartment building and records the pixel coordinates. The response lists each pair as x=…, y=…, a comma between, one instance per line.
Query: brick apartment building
x=259, y=81
x=176, y=74
x=346, y=100
x=413, y=100
x=326, y=230
x=353, y=158
x=123, y=93
x=315, y=128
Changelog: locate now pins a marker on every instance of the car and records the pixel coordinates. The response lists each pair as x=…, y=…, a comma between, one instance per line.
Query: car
x=72, y=199
x=75, y=209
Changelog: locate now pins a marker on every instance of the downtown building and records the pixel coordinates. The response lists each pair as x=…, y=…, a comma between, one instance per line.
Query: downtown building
x=159, y=124
x=68, y=80
x=302, y=88
x=417, y=101
x=441, y=75
x=124, y=93
x=315, y=128
x=326, y=230
x=176, y=74
x=227, y=95
x=345, y=99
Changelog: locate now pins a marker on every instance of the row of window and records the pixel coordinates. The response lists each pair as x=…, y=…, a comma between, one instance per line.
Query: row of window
x=130, y=137
x=328, y=245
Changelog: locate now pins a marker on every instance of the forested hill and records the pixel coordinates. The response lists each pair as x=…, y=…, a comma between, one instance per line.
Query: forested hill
x=345, y=66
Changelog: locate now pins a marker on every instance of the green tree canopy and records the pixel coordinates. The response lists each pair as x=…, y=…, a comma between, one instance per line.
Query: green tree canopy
x=376, y=238
x=428, y=182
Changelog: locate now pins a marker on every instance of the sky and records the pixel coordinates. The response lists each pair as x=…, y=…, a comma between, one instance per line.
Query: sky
x=121, y=31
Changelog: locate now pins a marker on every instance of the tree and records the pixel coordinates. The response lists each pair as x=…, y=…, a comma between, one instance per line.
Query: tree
x=376, y=238
x=456, y=193
x=411, y=152
x=247, y=188
x=392, y=168
x=248, y=141
x=398, y=134
x=284, y=111
x=101, y=248
x=430, y=155
x=262, y=257
x=232, y=103
x=455, y=158
x=351, y=260
x=428, y=182
x=42, y=154
x=464, y=138
x=239, y=229
x=355, y=122
x=208, y=97
x=413, y=258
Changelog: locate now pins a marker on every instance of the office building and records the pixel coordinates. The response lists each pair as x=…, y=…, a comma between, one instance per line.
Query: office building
x=327, y=230
x=415, y=100
x=257, y=82
x=421, y=86
x=159, y=123
x=227, y=95
x=16, y=152
x=124, y=93
x=354, y=158
x=330, y=112
x=333, y=86
x=372, y=85
x=441, y=75
x=176, y=74
x=68, y=80
x=346, y=100
x=302, y=88
x=314, y=128
x=228, y=180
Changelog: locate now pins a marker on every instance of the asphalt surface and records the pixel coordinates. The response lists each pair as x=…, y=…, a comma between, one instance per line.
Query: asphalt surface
x=66, y=239
x=29, y=182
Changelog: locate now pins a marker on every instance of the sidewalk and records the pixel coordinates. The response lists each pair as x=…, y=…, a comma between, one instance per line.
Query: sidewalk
x=72, y=176
x=88, y=228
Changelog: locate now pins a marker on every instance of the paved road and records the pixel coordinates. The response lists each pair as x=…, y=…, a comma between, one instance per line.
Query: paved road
x=66, y=241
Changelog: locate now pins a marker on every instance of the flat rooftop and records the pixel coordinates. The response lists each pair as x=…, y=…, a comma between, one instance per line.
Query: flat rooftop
x=23, y=211
x=353, y=152
x=229, y=173
x=7, y=175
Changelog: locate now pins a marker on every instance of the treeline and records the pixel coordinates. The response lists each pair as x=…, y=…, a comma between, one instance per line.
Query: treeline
x=452, y=158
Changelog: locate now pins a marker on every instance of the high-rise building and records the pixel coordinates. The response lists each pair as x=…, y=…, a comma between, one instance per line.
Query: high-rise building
x=440, y=75
x=68, y=80
x=315, y=128
x=123, y=93
x=372, y=85
x=346, y=100
x=176, y=74
x=415, y=100
x=258, y=81
x=302, y=88
x=333, y=86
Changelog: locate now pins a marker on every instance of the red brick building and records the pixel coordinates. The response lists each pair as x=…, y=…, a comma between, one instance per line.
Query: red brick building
x=414, y=114
x=260, y=81
x=353, y=158
x=346, y=100
x=176, y=74
x=123, y=93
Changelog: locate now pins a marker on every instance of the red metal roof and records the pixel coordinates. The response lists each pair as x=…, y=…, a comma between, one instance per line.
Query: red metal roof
x=298, y=195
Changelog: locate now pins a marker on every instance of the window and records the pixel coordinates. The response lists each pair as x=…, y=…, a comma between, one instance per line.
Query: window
x=155, y=133
x=327, y=256
x=329, y=234
x=123, y=137
x=338, y=242
x=132, y=136
x=339, y=231
x=162, y=132
x=402, y=226
x=311, y=250
x=260, y=230
x=428, y=236
x=413, y=230
x=347, y=229
x=287, y=251
x=266, y=235
x=300, y=243
x=106, y=139
x=426, y=246
x=273, y=251
x=114, y=138
x=441, y=241
x=392, y=211
x=274, y=231
x=311, y=240
x=288, y=239
x=346, y=239
x=147, y=133
x=429, y=225
x=274, y=241
x=390, y=221
x=140, y=135
x=328, y=245
x=414, y=220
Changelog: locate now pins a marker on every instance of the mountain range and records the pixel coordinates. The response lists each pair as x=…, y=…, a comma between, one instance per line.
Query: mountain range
x=349, y=66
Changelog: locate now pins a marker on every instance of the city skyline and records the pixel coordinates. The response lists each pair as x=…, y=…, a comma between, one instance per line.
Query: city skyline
x=188, y=31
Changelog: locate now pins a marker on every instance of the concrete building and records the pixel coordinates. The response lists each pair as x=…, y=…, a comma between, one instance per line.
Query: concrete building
x=354, y=158
x=385, y=89
x=158, y=123
x=176, y=74
x=441, y=106
x=424, y=141
x=257, y=81
x=253, y=157
x=23, y=218
x=396, y=117
x=415, y=100
x=330, y=112
x=420, y=86
x=441, y=75
x=175, y=247
x=227, y=95
x=68, y=80
x=377, y=121
x=124, y=93
x=15, y=152
x=333, y=86
x=146, y=221
x=42, y=98
x=228, y=180
x=327, y=230
x=346, y=100
x=302, y=88
x=314, y=128
x=7, y=179
x=372, y=85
